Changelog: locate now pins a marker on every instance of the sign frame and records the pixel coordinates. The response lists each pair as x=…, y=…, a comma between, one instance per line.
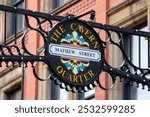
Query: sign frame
x=92, y=40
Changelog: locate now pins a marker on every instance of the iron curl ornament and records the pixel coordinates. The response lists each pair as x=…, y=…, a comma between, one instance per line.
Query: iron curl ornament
x=74, y=51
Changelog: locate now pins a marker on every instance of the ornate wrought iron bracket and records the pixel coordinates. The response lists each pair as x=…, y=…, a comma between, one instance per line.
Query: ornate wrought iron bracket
x=127, y=70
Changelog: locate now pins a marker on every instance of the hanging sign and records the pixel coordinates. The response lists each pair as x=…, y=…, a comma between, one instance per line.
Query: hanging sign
x=75, y=53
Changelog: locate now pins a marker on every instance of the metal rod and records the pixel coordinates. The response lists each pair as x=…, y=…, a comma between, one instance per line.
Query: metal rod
x=15, y=26
x=30, y=58
x=22, y=58
x=139, y=51
x=148, y=52
x=131, y=39
x=89, y=12
x=5, y=28
x=128, y=76
x=60, y=18
x=119, y=29
x=22, y=81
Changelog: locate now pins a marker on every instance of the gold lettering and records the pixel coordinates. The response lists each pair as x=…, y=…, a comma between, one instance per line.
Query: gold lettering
x=80, y=77
x=95, y=44
x=64, y=74
x=75, y=78
x=59, y=69
x=87, y=32
x=86, y=77
x=57, y=33
x=81, y=28
x=73, y=26
x=70, y=77
x=91, y=38
x=62, y=29
x=90, y=72
x=52, y=38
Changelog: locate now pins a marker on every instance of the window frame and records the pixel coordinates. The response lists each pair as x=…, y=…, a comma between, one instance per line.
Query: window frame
x=12, y=20
x=56, y=3
x=14, y=17
x=18, y=2
x=127, y=88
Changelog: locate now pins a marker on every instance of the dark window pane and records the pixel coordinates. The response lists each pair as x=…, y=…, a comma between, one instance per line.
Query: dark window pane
x=14, y=21
x=14, y=94
x=58, y=3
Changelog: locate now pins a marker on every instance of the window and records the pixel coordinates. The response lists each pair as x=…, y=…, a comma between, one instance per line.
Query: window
x=14, y=21
x=138, y=54
x=58, y=3
x=58, y=93
x=48, y=5
x=61, y=94
x=14, y=94
x=19, y=18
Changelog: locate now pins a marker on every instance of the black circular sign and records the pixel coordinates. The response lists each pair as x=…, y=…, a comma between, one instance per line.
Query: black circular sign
x=75, y=53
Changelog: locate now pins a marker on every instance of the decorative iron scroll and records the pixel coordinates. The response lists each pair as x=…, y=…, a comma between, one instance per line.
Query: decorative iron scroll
x=126, y=70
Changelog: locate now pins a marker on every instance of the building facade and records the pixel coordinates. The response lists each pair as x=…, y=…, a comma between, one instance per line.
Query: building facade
x=122, y=13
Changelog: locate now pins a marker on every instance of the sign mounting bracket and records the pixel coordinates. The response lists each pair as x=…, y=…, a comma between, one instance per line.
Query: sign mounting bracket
x=127, y=71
